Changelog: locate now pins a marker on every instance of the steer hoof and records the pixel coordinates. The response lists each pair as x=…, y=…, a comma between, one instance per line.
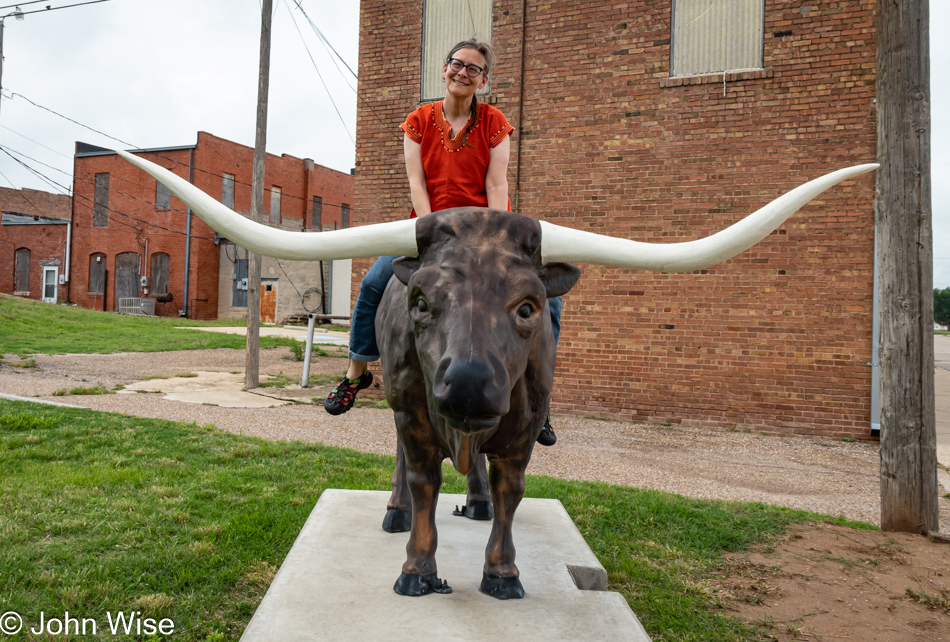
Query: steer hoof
x=397, y=520
x=415, y=585
x=504, y=588
x=479, y=509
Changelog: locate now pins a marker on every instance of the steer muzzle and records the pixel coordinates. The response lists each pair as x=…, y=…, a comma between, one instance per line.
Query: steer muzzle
x=471, y=395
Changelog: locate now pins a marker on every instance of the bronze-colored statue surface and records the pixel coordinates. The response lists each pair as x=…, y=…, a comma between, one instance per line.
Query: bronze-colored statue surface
x=468, y=360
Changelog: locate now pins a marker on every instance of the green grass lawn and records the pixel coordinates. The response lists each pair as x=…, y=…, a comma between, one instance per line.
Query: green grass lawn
x=29, y=327
x=104, y=512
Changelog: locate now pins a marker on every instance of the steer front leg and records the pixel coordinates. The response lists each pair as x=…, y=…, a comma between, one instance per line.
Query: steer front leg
x=500, y=575
x=424, y=477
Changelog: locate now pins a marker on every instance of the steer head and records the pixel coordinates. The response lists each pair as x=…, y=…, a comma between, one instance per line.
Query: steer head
x=477, y=299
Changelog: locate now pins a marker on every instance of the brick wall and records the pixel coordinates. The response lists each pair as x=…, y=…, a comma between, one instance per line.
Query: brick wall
x=47, y=243
x=135, y=219
x=776, y=339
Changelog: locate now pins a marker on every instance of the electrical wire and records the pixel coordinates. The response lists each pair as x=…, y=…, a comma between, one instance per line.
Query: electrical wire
x=91, y=207
x=13, y=131
x=158, y=154
x=326, y=44
x=48, y=8
x=320, y=76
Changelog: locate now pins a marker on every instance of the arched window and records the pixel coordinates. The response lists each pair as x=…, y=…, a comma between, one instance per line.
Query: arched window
x=160, y=263
x=97, y=273
x=21, y=271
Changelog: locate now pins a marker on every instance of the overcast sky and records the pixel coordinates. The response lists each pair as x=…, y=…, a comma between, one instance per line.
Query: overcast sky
x=152, y=73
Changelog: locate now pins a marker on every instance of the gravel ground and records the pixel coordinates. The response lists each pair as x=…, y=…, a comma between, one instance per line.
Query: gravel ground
x=824, y=476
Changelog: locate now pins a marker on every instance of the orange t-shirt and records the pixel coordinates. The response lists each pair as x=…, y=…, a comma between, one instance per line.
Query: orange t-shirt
x=455, y=172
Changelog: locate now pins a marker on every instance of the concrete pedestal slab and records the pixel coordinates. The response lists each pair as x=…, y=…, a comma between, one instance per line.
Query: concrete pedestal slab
x=337, y=581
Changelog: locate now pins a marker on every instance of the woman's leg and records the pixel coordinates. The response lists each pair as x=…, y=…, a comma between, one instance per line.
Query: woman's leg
x=555, y=304
x=363, y=347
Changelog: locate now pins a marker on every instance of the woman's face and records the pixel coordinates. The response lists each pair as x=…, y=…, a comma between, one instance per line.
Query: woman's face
x=462, y=83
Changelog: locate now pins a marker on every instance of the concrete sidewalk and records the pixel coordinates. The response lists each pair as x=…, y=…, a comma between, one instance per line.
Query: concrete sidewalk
x=941, y=377
x=942, y=394
x=299, y=333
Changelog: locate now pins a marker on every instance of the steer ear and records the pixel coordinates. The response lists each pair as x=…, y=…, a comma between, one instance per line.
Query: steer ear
x=558, y=278
x=405, y=267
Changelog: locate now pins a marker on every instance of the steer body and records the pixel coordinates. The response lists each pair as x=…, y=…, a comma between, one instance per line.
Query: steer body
x=468, y=356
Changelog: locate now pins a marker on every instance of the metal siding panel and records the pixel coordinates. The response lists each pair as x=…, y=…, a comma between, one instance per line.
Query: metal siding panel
x=163, y=197
x=316, y=221
x=712, y=36
x=448, y=22
x=227, y=190
x=275, y=204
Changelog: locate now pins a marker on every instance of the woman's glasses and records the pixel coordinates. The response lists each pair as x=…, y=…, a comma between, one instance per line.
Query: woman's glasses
x=456, y=65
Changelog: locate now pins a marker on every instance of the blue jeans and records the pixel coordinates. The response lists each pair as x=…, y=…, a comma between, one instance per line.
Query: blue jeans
x=363, y=326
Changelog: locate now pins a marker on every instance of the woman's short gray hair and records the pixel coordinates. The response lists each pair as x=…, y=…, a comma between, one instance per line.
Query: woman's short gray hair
x=481, y=47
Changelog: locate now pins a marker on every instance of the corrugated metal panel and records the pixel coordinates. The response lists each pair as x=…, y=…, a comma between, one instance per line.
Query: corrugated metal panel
x=711, y=36
x=448, y=22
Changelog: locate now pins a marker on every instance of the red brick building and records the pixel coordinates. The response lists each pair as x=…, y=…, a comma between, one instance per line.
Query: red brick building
x=34, y=250
x=132, y=238
x=626, y=124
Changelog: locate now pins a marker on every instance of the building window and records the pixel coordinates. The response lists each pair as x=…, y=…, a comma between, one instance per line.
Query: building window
x=274, y=204
x=160, y=263
x=344, y=216
x=21, y=271
x=97, y=273
x=317, y=219
x=227, y=191
x=711, y=36
x=445, y=23
x=163, y=197
x=100, y=212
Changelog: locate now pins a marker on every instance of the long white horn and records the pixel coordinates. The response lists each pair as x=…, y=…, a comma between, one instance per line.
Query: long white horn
x=568, y=245
x=397, y=237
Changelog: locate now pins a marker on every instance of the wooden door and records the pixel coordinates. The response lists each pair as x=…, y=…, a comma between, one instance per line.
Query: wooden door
x=269, y=301
x=126, y=277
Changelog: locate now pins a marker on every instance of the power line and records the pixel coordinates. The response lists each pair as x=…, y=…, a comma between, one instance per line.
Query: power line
x=69, y=6
x=53, y=183
x=320, y=76
x=326, y=43
x=13, y=131
x=136, y=148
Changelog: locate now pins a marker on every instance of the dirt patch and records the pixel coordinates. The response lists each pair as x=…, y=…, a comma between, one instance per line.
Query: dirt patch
x=828, y=582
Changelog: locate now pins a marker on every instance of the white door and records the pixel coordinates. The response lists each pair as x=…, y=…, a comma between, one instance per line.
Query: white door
x=50, y=278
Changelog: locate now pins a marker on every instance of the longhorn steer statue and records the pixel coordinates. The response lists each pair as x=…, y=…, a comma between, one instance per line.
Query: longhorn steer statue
x=466, y=340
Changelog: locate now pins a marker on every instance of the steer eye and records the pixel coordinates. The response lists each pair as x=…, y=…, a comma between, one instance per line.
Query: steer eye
x=525, y=311
x=421, y=306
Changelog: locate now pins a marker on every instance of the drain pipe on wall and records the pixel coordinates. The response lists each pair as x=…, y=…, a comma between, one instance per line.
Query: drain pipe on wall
x=524, y=20
x=191, y=179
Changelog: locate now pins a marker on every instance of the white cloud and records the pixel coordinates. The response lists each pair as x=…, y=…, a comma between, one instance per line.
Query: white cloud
x=155, y=73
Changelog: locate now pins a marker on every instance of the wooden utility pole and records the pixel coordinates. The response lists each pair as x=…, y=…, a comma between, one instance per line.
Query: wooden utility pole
x=252, y=364
x=903, y=216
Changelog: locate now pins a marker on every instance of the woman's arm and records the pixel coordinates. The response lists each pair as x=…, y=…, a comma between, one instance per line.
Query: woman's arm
x=496, y=178
x=418, y=191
